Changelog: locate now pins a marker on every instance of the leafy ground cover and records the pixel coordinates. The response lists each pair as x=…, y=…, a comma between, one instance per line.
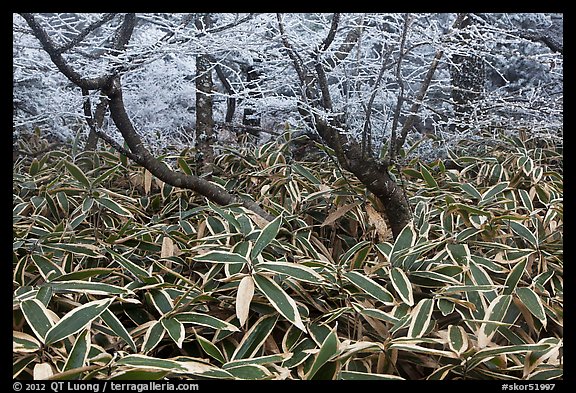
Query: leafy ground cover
x=117, y=275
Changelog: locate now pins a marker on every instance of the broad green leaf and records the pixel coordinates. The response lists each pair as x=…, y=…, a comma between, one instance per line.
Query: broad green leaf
x=428, y=178
x=523, y=232
x=495, y=313
x=88, y=250
x=328, y=349
x=243, y=298
x=421, y=318
x=175, y=330
x=161, y=300
x=492, y=192
x=532, y=302
x=254, y=338
x=514, y=277
x=303, y=171
x=221, y=257
x=370, y=287
x=142, y=361
x=250, y=372
x=293, y=270
x=117, y=327
x=44, y=294
x=77, y=173
x=80, y=350
x=138, y=375
x=403, y=242
x=153, y=336
x=379, y=314
x=402, y=285
x=94, y=288
x=457, y=339
x=358, y=375
x=113, y=206
x=470, y=190
x=279, y=299
x=77, y=319
x=488, y=353
x=84, y=273
x=227, y=216
x=38, y=317
x=48, y=269
x=460, y=253
x=526, y=200
x=205, y=320
x=128, y=265
x=210, y=349
x=24, y=343
x=353, y=250
x=87, y=204
x=266, y=236
x=266, y=359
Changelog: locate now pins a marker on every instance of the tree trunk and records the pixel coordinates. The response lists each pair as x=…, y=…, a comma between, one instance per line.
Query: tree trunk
x=468, y=77
x=204, y=113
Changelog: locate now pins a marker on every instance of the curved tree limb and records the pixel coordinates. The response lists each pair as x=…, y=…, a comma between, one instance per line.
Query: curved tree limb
x=110, y=86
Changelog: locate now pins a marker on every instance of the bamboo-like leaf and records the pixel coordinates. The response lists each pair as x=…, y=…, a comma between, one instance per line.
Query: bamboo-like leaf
x=533, y=303
x=266, y=359
x=113, y=206
x=460, y=253
x=76, y=320
x=293, y=270
x=77, y=174
x=358, y=375
x=255, y=337
x=353, y=250
x=48, y=269
x=303, y=171
x=161, y=300
x=154, y=334
x=143, y=361
x=266, y=236
x=279, y=299
x=252, y=372
x=221, y=257
x=167, y=247
x=421, y=318
x=496, y=312
x=514, y=277
x=403, y=242
x=526, y=200
x=147, y=181
x=24, y=343
x=488, y=353
x=336, y=214
x=243, y=298
x=328, y=349
x=523, y=232
x=457, y=339
x=370, y=287
x=428, y=178
x=402, y=285
x=88, y=250
x=42, y=371
x=210, y=349
x=470, y=190
x=94, y=288
x=117, y=327
x=175, y=330
x=205, y=320
x=128, y=265
x=84, y=273
x=492, y=192
x=38, y=317
x=79, y=353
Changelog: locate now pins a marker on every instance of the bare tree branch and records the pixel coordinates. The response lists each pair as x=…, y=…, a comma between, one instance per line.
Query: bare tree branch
x=93, y=26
